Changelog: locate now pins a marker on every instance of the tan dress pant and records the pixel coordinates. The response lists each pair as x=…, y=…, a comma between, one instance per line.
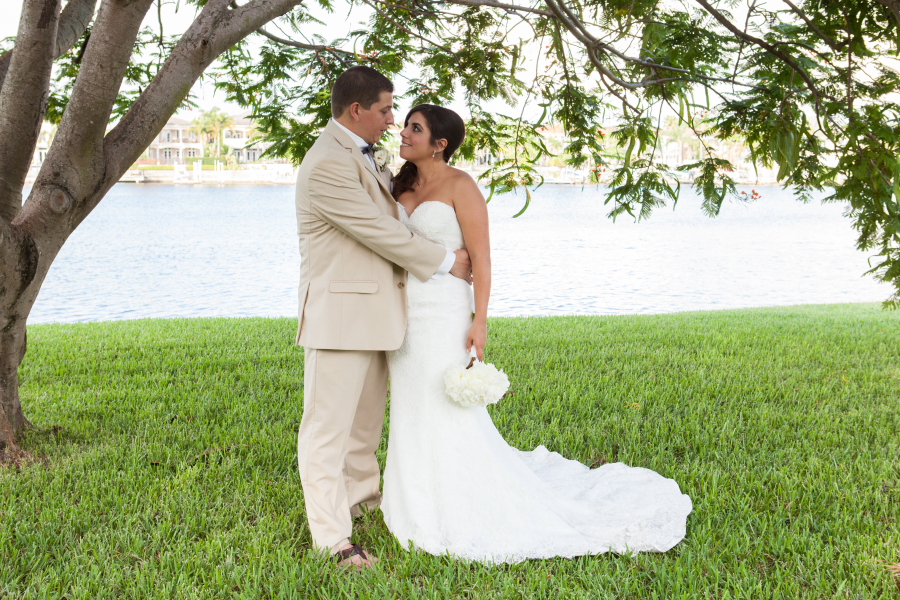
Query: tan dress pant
x=343, y=412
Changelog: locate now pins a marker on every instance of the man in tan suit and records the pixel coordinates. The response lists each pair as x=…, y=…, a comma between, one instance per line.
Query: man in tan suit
x=355, y=255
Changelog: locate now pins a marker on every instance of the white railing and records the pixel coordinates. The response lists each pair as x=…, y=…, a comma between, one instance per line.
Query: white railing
x=193, y=172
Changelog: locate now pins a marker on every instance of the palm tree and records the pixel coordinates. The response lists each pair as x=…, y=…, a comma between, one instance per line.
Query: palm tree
x=198, y=127
x=216, y=123
x=679, y=132
x=210, y=124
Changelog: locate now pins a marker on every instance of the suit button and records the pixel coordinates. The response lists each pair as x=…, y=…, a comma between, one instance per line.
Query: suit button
x=401, y=285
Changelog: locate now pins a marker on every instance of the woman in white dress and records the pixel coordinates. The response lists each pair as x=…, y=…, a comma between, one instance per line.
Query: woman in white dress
x=452, y=484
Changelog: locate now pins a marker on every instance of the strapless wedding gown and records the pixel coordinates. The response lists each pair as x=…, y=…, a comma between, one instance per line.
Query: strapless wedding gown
x=453, y=485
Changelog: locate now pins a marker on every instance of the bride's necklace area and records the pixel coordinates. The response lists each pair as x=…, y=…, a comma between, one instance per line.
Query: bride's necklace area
x=435, y=172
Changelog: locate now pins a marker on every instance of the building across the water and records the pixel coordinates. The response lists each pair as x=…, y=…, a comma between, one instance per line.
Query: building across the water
x=180, y=143
x=177, y=143
x=45, y=138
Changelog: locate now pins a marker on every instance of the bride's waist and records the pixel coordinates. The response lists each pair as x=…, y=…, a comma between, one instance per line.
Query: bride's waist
x=442, y=282
x=441, y=289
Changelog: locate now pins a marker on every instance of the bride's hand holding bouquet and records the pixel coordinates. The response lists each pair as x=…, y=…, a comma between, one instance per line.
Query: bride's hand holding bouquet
x=478, y=383
x=477, y=338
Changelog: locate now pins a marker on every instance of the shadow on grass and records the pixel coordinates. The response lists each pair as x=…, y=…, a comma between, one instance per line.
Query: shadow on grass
x=41, y=444
x=16, y=458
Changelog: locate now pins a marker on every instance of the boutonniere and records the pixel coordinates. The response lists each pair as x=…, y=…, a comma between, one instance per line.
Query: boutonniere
x=381, y=157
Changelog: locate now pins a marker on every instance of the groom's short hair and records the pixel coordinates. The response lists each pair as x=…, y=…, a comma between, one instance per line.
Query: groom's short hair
x=358, y=84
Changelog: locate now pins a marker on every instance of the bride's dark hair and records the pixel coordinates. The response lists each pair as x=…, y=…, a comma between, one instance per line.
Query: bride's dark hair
x=444, y=124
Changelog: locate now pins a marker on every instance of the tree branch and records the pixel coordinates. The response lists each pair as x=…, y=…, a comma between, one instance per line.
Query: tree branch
x=407, y=30
x=317, y=48
x=576, y=28
x=23, y=100
x=5, y=58
x=244, y=20
x=576, y=21
x=215, y=29
x=75, y=164
x=507, y=7
x=418, y=11
x=740, y=51
x=764, y=45
x=812, y=25
x=73, y=22
x=893, y=6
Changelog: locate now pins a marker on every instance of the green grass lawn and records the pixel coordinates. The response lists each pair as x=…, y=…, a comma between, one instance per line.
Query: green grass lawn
x=167, y=458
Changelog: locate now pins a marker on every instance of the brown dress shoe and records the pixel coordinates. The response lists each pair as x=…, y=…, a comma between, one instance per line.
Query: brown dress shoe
x=345, y=557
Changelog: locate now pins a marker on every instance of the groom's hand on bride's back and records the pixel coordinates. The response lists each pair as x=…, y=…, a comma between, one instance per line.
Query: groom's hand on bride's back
x=462, y=268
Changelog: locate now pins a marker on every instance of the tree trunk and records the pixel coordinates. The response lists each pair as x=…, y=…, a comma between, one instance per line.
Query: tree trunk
x=85, y=160
x=23, y=265
x=12, y=350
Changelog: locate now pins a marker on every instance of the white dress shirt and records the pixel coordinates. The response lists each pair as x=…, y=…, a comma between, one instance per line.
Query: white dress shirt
x=451, y=256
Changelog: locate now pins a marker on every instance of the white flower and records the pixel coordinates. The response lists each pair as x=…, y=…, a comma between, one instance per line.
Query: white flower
x=381, y=157
x=480, y=385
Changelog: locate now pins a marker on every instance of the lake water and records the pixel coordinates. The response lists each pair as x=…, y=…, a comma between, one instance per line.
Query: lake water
x=203, y=251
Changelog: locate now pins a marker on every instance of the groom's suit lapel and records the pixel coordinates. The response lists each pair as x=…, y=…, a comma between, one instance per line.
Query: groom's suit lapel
x=347, y=143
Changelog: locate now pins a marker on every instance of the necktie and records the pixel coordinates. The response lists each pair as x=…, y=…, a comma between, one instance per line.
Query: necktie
x=368, y=149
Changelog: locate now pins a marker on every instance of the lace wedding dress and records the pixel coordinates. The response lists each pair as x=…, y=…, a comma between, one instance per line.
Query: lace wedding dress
x=453, y=485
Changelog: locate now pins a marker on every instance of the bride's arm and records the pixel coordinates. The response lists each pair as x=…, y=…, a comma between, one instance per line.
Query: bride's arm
x=472, y=214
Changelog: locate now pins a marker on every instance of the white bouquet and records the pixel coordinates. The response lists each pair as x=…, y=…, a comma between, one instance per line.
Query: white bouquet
x=478, y=384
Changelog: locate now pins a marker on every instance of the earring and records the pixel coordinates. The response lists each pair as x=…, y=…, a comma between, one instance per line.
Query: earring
x=434, y=154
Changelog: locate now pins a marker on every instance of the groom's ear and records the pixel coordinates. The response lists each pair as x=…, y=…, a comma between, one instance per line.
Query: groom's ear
x=353, y=109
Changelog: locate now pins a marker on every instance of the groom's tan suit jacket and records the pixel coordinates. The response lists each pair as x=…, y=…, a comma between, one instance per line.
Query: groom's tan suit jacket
x=354, y=255
x=354, y=251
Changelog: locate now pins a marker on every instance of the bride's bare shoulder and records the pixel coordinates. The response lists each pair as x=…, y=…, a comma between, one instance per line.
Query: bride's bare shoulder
x=464, y=184
x=458, y=175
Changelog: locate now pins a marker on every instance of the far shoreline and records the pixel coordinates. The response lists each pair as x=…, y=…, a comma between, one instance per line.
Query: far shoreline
x=710, y=311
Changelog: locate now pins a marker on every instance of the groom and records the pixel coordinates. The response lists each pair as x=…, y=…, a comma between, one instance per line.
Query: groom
x=355, y=255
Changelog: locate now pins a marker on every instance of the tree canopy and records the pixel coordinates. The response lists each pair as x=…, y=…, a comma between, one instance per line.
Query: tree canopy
x=811, y=86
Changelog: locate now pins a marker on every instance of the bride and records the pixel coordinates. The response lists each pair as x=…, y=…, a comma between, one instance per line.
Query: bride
x=452, y=484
